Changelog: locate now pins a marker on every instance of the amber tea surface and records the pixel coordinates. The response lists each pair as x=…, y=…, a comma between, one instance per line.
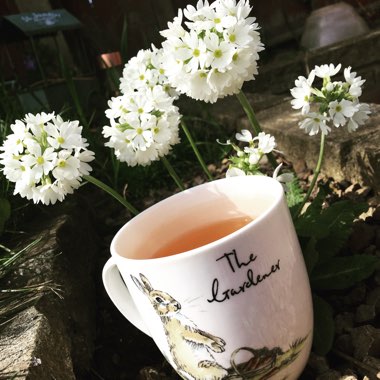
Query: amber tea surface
x=199, y=236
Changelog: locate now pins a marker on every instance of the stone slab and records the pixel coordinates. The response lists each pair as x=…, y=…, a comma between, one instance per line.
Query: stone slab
x=53, y=339
x=31, y=349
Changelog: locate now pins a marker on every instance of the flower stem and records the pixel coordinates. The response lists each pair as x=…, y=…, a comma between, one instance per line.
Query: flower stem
x=315, y=176
x=112, y=192
x=196, y=151
x=254, y=122
x=172, y=172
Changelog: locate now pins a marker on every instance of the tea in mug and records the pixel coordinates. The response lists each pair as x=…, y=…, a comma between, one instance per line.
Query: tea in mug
x=199, y=236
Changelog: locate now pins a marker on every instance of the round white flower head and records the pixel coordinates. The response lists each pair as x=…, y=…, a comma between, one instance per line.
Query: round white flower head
x=143, y=125
x=214, y=52
x=146, y=69
x=247, y=159
x=45, y=157
x=336, y=102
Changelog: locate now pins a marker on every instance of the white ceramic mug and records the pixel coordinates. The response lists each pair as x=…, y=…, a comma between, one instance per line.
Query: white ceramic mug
x=237, y=308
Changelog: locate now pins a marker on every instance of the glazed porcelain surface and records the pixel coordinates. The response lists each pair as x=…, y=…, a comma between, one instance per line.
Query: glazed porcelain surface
x=239, y=307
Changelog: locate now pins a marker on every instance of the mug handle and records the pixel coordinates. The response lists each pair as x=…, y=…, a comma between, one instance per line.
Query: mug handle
x=120, y=295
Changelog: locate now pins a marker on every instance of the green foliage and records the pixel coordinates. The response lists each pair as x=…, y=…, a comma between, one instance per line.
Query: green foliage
x=343, y=272
x=9, y=107
x=330, y=226
x=5, y=213
x=9, y=259
x=323, y=232
x=73, y=92
x=5, y=207
x=124, y=41
x=324, y=328
x=310, y=253
x=294, y=194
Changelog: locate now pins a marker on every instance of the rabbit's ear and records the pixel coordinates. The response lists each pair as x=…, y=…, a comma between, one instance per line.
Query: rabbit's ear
x=140, y=285
x=146, y=283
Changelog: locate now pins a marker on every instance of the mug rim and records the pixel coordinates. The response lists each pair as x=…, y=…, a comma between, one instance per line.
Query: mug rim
x=279, y=196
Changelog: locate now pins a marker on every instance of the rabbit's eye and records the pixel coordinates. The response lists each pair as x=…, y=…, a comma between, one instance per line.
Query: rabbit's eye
x=159, y=299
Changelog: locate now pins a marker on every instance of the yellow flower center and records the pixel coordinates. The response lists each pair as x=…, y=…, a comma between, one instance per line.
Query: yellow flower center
x=60, y=140
x=317, y=119
x=162, y=71
x=235, y=57
x=40, y=160
x=338, y=108
x=142, y=77
x=196, y=53
x=156, y=130
x=62, y=163
x=232, y=38
x=139, y=131
x=217, y=20
x=140, y=110
x=218, y=53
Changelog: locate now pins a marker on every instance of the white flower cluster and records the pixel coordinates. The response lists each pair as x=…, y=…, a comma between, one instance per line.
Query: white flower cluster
x=146, y=69
x=247, y=160
x=265, y=144
x=143, y=120
x=45, y=157
x=216, y=50
x=336, y=102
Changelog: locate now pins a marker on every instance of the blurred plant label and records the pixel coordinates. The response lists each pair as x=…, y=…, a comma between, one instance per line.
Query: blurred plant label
x=47, y=18
x=36, y=23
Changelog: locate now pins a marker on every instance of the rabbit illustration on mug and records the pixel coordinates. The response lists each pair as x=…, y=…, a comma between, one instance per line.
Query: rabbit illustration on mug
x=190, y=348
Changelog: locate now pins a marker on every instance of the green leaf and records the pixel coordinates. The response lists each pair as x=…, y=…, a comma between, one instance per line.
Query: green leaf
x=310, y=255
x=309, y=224
x=331, y=226
x=294, y=194
x=339, y=218
x=324, y=328
x=5, y=212
x=343, y=272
